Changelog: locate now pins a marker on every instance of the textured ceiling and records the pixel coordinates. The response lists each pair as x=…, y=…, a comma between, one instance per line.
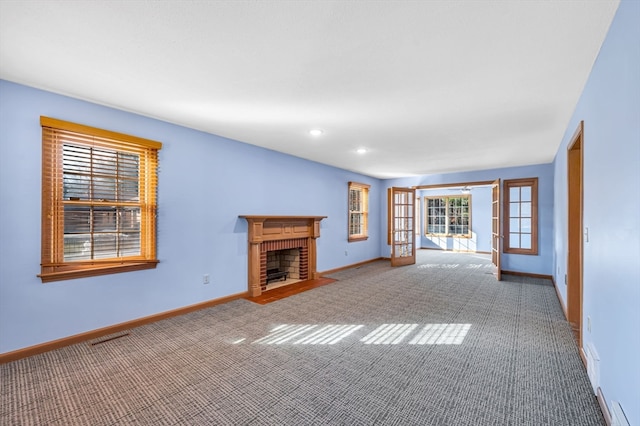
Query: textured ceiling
x=425, y=86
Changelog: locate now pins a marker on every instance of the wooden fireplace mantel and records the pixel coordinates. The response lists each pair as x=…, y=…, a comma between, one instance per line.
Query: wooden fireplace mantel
x=263, y=229
x=270, y=228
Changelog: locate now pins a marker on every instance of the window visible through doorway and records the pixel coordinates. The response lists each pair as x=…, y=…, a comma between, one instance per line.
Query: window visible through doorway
x=448, y=216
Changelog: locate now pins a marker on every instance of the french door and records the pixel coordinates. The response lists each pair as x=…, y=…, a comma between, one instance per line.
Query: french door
x=402, y=229
x=496, y=236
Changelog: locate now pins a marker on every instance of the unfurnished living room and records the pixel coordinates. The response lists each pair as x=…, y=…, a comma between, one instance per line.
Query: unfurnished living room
x=317, y=212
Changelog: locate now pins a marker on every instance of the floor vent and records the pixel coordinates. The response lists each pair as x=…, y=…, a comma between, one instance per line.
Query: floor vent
x=593, y=366
x=618, y=418
x=105, y=339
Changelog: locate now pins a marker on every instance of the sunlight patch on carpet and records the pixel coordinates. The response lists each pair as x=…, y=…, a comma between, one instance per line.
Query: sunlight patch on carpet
x=385, y=334
x=441, y=334
x=454, y=266
x=388, y=334
x=308, y=334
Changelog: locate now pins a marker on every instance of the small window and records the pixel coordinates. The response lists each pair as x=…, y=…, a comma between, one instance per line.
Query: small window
x=417, y=216
x=521, y=216
x=98, y=201
x=448, y=216
x=358, y=211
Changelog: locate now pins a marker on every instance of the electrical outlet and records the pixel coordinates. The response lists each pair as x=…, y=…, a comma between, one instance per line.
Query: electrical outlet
x=589, y=324
x=565, y=279
x=346, y=253
x=205, y=279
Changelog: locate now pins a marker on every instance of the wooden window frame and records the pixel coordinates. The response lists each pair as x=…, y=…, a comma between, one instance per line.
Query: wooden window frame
x=417, y=216
x=363, y=210
x=516, y=183
x=447, y=233
x=55, y=134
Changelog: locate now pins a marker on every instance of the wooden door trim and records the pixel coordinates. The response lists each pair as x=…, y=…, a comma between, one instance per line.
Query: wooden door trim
x=575, y=246
x=389, y=217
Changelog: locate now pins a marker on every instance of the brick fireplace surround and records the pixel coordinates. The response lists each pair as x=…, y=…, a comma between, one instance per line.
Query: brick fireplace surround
x=267, y=233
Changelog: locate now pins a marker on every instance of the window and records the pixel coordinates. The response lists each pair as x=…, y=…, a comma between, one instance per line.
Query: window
x=448, y=216
x=358, y=211
x=417, y=216
x=98, y=201
x=521, y=216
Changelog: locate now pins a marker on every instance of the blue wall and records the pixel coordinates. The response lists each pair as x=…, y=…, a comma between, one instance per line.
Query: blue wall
x=540, y=264
x=205, y=183
x=610, y=108
x=480, y=240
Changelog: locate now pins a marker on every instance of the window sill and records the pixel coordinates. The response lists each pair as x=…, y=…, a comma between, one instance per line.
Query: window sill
x=354, y=239
x=94, y=271
x=447, y=236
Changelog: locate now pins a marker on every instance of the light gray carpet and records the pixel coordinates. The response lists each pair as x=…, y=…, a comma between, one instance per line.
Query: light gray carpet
x=436, y=343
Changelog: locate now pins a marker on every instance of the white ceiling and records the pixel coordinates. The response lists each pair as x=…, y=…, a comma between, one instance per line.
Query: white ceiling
x=425, y=86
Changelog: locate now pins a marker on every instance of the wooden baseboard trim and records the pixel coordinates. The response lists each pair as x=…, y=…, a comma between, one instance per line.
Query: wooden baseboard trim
x=603, y=407
x=353, y=265
x=100, y=332
x=527, y=274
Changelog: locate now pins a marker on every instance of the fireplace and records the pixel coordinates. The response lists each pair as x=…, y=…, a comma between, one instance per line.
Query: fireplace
x=282, y=250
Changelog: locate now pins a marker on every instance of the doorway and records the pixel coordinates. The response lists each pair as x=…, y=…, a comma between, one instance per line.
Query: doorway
x=575, y=196
x=495, y=236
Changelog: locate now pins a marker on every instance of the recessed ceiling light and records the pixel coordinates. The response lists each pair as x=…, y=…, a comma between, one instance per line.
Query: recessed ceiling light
x=361, y=150
x=315, y=132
